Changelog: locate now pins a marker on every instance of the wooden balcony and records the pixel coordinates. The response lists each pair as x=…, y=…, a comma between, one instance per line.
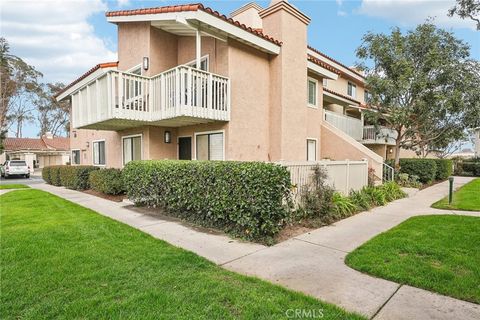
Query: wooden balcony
x=178, y=97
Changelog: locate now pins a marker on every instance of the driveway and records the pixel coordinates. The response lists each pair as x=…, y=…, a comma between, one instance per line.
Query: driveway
x=313, y=262
x=34, y=179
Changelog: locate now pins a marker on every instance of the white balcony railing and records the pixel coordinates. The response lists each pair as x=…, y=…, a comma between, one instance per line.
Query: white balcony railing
x=351, y=126
x=380, y=135
x=182, y=92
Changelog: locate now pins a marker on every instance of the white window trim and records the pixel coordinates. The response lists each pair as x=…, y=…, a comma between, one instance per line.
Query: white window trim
x=195, y=134
x=314, y=106
x=354, y=91
x=141, y=145
x=79, y=156
x=205, y=57
x=316, y=148
x=138, y=66
x=191, y=147
x=93, y=154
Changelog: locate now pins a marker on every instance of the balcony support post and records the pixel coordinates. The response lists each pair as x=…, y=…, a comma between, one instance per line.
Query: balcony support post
x=198, y=46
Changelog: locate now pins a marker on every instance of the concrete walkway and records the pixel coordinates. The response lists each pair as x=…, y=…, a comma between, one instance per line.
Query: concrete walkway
x=312, y=263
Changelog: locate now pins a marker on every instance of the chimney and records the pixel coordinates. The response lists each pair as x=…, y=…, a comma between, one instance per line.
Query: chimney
x=48, y=135
x=248, y=15
x=288, y=76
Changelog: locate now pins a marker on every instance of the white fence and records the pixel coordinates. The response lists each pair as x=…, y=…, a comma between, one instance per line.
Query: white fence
x=180, y=92
x=343, y=176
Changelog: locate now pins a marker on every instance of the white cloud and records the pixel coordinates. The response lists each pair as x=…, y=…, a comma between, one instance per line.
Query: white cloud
x=123, y=3
x=413, y=12
x=55, y=36
x=341, y=13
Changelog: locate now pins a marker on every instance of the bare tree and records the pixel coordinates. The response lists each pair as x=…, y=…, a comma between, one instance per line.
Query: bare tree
x=467, y=9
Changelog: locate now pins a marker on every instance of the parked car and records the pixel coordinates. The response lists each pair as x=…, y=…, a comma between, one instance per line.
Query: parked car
x=14, y=168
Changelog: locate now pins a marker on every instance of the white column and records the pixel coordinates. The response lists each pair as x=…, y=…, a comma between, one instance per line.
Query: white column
x=198, y=49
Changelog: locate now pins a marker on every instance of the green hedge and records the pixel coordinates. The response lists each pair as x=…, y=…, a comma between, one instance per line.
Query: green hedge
x=424, y=169
x=71, y=177
x=469, y=167
x=444, y=168
x=51, y=175
x=108, y=181
x=247, y=199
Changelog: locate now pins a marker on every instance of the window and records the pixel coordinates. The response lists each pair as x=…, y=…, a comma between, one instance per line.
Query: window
x=75, y=156
x=352, y=90
x=99, y=153
x=312, y=92
x=209, y=146
x=311, y=150
x=132, y=148
x=203, y=63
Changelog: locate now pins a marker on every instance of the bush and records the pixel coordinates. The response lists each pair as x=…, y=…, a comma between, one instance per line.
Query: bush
x=316, y=197
x=247, y=199
x=425, y=169
x=51, y=175
x=342, y=206
x=72, y=177
x=392, y=191
x=108, y=181
x=466, y=167
x=444, y=168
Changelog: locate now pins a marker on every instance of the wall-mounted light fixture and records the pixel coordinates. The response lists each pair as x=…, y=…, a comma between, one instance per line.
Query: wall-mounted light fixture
x=88, y=144
x=146, y=63
x=74, y=133
x=390, y=150
x=167, y=137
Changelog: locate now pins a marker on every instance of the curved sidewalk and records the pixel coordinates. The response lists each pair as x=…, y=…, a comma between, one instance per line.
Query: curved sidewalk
x=313, y=262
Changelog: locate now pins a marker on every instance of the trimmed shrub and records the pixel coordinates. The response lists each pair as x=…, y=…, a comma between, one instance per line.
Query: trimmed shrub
x=425, y=169
x=316, y=197
x=51, y=175
x=444, y=168
x=46, y=175
x=71, y=177
x=247, y=199
x=108, y=181
x=76, y=177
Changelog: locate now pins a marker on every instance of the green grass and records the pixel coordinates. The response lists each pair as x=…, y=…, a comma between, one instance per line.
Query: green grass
x=439, y=253
x=13, y=186
x=60, y=260
x=466, y=198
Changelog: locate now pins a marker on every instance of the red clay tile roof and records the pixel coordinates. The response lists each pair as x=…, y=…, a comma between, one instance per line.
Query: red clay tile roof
x=330, y=58
x=41, y=144
x=344, y=96
x=57, y=143
x=86, y=74
x=191, y=7
x=322, y=64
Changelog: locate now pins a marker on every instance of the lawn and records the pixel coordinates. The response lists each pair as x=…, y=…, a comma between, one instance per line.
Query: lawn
x=60, y=260
x=465, y=198
x=13, y=186
x=439, y=253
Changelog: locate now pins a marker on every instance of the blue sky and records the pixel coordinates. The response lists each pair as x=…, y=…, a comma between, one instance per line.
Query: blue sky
x=63, y=39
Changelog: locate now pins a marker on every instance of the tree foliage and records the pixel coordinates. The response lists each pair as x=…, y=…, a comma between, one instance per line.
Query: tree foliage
x=25, y=99
x=53, y=116
x=467, y=9
x=422, y=84
x=19, y=86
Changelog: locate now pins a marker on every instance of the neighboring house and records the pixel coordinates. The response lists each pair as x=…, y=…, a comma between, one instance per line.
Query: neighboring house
x=38, y=153
x=191, y=83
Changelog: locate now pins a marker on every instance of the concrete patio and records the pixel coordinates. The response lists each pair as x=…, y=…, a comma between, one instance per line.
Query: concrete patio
x=312, y=263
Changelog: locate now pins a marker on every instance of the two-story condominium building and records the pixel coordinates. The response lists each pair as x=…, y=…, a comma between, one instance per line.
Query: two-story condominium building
x=191, y=83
